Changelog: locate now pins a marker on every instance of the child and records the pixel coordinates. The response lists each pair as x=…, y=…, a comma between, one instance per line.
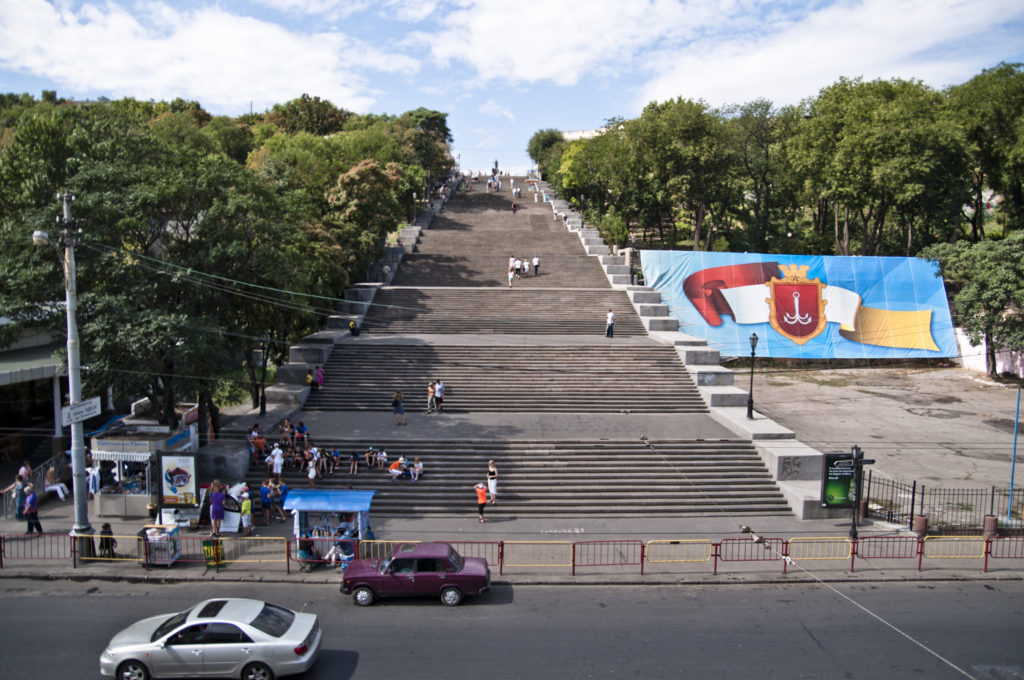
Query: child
x=247, y=514
x=107, y=542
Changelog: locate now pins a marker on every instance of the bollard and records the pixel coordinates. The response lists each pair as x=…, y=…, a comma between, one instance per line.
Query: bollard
x=920, y=525
x=991, y=527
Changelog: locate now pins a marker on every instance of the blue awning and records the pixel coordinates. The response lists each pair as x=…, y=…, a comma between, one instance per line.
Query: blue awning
x=328, y=500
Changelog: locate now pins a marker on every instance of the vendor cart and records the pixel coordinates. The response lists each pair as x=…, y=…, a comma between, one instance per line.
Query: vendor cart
x=159, y=544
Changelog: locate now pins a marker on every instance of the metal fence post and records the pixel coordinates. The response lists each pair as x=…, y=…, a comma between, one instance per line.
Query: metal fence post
x=501, y=558
x=572, y=558
x=853, y=548
x=913, y=499
x=288, y=556
x=74, y=552
x=642, y=559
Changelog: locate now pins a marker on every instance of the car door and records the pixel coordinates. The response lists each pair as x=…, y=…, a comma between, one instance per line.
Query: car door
x=181, y=655
x=400, y=578
x=226, y=649
x=430, y=576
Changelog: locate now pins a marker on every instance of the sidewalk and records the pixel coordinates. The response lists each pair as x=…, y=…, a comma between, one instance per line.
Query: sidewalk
x=551, y=535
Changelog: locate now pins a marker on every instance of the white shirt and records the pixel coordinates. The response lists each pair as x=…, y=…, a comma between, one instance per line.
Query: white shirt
x=611, y=318
x=439, y=389
x=536, y=261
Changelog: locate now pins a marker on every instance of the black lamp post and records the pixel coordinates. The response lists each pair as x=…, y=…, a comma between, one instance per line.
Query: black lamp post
x=750, y=394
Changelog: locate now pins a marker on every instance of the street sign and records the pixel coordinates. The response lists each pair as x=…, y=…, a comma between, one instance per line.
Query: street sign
x=83, y=410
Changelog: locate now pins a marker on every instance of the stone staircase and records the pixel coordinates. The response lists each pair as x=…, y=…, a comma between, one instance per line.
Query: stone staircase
x=535, y=349
x=509, y=378
x=467, y=246
x=567, y=478
x=516, y=311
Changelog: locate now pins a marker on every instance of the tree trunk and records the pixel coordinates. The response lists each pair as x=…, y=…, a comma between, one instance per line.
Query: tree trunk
x=699, y=214
x=990, y=357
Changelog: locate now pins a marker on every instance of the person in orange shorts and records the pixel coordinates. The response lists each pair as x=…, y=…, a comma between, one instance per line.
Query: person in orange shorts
x=481, y=498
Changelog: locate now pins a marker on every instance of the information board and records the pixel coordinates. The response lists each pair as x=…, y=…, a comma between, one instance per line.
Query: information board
x=838, y=480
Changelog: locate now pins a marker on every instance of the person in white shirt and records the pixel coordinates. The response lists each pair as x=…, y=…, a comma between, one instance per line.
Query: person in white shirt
x=536, y=265
x=610, y=320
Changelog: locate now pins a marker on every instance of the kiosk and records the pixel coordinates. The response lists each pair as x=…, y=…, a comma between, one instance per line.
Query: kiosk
x=313, y=510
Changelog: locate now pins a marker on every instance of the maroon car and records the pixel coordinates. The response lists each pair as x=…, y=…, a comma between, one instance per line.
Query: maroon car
x=416, y=569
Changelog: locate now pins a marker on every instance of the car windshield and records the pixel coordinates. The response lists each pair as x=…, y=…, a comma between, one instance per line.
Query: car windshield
x=169, y=625
x=273, y=620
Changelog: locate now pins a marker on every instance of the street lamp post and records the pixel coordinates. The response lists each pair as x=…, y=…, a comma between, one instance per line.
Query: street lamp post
x=750, y=394
x=79, y=482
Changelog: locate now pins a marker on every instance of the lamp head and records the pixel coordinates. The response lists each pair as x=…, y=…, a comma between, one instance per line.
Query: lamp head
x=40, y=238
x=753, y=341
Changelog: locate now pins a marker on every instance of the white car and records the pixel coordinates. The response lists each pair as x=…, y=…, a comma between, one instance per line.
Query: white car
x=228, y=637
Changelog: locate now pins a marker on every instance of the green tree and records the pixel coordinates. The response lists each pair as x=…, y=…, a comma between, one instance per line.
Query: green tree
x=989, y=304
x=989, y=109
x=308, y=114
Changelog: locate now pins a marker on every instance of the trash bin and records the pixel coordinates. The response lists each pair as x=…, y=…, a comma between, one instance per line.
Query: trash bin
x=213, y=553
x=158, y=544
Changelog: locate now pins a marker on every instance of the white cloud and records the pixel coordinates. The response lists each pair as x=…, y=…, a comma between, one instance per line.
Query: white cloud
x=558, y=41
x=940, y=42
x=332, y=9
x=220, y=59
x=493, y=108
x=411, y=10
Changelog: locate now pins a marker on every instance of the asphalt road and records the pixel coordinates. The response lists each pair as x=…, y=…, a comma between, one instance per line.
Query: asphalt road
x=56, y=630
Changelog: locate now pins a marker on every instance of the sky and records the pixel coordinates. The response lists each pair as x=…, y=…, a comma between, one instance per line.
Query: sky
x=500, y=70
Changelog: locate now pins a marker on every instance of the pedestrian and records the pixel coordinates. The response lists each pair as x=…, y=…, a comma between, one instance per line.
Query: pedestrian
x=277, y=492
x=511, y=275
x=246, y=514
x=515, y=208
x=311, y=470
x=398, y=407
x=19, y=498
x=536, y=265
x=416, y=470
x=318, y=375
x=108, y=544
x=310, y=380
x=265, y=501
x=492, y=481
x=53, y=483
x=31, y=509
x=276, y=462
x=481, y=499
x=353, y=466
x=518, y=265
x=216, y=508
x=439, y=390
x=25, y=472
x=431, y=398
x=610, y=321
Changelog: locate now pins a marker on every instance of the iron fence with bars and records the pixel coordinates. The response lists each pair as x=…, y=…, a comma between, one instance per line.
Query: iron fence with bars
x=957, y=509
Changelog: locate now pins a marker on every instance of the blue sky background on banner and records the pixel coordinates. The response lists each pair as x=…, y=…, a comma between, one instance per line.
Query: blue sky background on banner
x=886, y=283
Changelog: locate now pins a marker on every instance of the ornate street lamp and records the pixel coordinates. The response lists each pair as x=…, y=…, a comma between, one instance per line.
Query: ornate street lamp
x=750, y=394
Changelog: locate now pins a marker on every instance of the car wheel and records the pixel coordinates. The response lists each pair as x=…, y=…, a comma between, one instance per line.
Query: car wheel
x=363, y=596
x=257, y=671
x=451, y=596
x=133, y=670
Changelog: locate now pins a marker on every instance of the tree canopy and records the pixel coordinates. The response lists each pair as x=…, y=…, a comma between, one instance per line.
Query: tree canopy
x=203, y=239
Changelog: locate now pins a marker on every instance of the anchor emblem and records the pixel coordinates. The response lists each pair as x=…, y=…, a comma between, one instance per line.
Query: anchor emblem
x=796, y=317
x=798, y=322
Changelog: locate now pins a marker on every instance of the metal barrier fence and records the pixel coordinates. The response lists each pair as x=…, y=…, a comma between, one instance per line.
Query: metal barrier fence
x=746, y=550
x=312, y=552
x=689, y=550
x=607, y=554
x=946, y=509
x=1011, y=547
x=537, y=554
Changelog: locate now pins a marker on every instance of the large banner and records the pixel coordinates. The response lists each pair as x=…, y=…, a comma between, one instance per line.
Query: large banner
x=806, y=306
